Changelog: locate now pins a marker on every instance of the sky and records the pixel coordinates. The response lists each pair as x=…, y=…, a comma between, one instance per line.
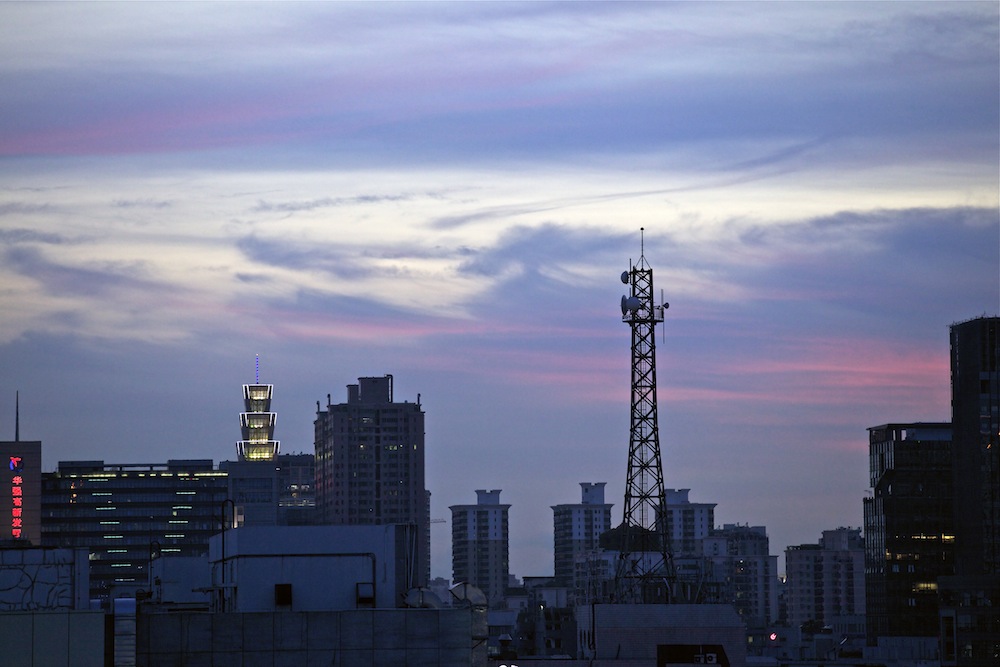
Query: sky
x=448, y=193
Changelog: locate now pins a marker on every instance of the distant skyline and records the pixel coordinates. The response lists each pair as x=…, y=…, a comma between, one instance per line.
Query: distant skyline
x=448, y=192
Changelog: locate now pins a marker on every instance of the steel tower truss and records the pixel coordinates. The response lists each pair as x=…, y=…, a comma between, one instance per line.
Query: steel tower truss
x=645, y=569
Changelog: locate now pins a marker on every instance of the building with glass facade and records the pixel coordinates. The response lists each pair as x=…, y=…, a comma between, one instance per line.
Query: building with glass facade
x=909, y=528
x=127, y=514
x=970, y=625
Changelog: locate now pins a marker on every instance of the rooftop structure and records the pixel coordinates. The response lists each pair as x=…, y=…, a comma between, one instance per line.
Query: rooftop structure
x=257, y=423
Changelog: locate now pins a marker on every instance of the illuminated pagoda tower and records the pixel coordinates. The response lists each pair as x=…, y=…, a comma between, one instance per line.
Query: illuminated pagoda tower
x=645, y=572
x=253, y=478
x=257, y=423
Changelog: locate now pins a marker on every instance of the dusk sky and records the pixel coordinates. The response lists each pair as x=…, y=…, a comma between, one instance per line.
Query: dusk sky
x=448, y=193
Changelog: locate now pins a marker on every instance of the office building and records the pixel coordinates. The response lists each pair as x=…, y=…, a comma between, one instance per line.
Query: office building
x=825, y=582
x=21, y=491
x=909, y=528
x=127, y=514
x=480, y=547
x=370, y=464
x=577, y=529
x=970, y=626
x=975, y=402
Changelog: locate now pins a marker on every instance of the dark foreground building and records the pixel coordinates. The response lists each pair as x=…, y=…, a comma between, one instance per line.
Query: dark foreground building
x=909, y=528
x=970, y=622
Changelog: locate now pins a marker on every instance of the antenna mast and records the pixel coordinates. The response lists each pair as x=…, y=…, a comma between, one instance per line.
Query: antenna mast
x=645, y=572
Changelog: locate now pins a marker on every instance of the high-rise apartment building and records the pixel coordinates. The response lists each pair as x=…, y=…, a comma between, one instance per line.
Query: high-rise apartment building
x=686, y=523
x=826, y=581
x=370, y=464
x=480, y=551
x=909, y=528
x=740, y=571
x=577, y=529
x=126, y=515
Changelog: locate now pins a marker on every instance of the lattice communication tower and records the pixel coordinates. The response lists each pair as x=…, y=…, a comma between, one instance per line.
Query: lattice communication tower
x=645, y=572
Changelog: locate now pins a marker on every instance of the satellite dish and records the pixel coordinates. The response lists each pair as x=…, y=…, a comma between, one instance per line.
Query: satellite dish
x=624, y=300
x=632, y=303
x=625, y=277
x=665, y=305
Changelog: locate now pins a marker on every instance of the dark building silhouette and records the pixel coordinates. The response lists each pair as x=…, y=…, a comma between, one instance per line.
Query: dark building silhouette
x=20, y=487
x=975, y=403
x=370, y=464
x=296, y=489
x=909, y=528
x=480, y=545
x=127, y=514
x=970, y=623
x=21, y=491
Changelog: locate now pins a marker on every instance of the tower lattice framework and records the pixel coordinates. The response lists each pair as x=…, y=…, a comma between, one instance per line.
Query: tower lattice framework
x=645, y=569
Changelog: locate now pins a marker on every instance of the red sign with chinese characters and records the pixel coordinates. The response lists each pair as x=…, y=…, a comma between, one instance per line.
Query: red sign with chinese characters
x=16, y=496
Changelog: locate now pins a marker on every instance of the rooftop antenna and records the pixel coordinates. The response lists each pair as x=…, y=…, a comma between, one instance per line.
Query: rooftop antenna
x=257, y=365
x=17, y=416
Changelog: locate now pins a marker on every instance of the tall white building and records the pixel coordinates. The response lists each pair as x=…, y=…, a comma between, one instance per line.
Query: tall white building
x=577, y=529
x=826, y=581
x=686, y=523
x=480, y=548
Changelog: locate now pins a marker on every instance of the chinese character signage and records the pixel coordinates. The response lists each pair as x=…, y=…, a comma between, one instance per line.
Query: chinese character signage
x=16, y=496
x=21, y=491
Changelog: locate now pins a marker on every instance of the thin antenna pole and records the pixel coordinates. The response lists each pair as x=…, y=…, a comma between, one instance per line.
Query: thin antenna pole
x=257, y=364
x=17, y=416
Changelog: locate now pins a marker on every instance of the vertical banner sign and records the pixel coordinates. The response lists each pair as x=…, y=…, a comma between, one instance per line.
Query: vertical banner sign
x=16, y=496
